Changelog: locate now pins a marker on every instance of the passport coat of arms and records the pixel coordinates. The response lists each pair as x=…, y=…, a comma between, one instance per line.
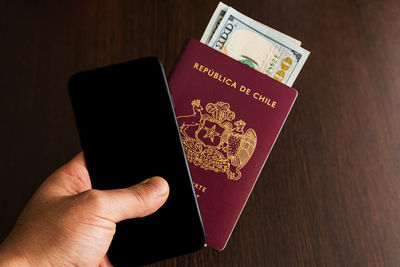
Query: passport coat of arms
x=214, y=141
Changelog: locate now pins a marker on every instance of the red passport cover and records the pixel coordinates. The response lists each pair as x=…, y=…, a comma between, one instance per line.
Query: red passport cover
x=229, y=117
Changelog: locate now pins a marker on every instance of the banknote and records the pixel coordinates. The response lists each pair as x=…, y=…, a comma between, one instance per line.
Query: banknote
x=214, y=22
x=218, y=15
x=258, y=46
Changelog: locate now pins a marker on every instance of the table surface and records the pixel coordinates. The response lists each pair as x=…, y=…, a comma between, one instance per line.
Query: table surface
x=329, y=192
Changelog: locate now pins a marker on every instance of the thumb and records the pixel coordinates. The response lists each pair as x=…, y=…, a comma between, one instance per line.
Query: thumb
x=136, y=201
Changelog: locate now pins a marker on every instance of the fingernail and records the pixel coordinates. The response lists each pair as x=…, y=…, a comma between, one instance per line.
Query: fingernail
x=159, y=185
x=145, y=181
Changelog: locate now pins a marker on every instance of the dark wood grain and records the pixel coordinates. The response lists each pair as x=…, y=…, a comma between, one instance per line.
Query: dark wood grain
x=329, y=194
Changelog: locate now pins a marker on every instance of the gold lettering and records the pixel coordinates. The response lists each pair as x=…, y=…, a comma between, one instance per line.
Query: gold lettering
x=255, y=95
x=280, y=75
x=245, y=90
x=264, y=99
x=199, y=187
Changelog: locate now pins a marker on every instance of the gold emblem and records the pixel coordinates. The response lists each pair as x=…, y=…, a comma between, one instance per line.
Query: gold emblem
x=211, y=133
x=213, y=141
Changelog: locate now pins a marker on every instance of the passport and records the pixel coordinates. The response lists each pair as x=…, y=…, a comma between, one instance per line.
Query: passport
x=229, y=116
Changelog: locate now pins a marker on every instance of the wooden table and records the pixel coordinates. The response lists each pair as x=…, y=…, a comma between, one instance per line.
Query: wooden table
x=329, y=194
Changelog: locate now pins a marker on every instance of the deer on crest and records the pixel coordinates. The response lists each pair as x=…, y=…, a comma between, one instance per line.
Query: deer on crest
x=193, y=120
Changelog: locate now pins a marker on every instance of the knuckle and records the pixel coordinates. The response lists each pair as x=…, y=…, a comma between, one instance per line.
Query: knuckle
x=75, y=169
x=140, y=195
x=94, y=199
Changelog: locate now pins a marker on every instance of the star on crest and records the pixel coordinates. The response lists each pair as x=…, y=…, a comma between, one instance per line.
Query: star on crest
x=211, y=133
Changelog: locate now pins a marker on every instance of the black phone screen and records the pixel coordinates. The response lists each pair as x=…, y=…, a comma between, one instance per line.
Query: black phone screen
x=128, y=132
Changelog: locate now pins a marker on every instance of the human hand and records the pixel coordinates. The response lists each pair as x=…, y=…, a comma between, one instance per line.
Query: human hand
x=67, y=223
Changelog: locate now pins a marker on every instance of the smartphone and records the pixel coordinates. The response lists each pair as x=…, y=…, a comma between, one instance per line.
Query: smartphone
x=128, y=131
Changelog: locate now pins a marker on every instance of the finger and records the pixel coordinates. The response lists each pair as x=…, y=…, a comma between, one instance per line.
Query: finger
x=136, y=201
